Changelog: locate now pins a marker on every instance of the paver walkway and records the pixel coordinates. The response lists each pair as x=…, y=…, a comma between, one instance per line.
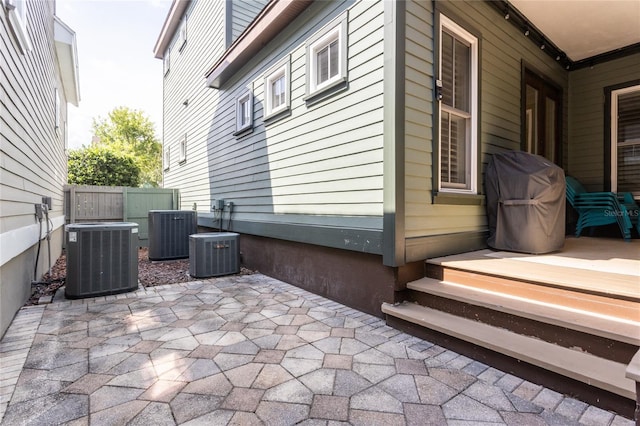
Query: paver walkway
x=248, y=350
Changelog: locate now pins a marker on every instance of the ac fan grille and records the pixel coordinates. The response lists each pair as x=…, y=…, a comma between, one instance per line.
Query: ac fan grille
x=214, y=255
x=169, y=234
x=102, y=261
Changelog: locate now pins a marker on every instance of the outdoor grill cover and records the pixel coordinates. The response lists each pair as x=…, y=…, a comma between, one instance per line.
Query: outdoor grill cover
x=525, y=203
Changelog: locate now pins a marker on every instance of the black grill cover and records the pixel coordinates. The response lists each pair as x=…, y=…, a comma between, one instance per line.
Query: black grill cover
x=525, y=203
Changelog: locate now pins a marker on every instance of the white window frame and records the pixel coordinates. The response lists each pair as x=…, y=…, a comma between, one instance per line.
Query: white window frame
x=17, y=13
x=280, y=70
x=614, y=134
x=336, y=30
x=166, y=157
x=166, y=61
x=183, y=149
x=56, y=96
x=241, y=125
x=182, y=40
x=471, y=185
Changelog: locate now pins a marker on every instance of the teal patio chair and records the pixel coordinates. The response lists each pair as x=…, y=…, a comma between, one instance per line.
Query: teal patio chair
x=602, y=208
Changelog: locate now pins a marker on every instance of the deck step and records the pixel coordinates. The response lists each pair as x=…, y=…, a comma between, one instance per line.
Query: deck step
x=580, y=366
x=522, y=268
x=608, y=318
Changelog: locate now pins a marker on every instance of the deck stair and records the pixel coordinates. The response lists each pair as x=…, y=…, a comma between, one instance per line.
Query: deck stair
x=562, y=322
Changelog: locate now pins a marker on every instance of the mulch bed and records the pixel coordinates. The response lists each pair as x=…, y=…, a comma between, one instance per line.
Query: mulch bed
x=150, y=273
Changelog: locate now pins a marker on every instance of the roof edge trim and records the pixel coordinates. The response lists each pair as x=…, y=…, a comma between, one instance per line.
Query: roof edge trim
x=169, y=27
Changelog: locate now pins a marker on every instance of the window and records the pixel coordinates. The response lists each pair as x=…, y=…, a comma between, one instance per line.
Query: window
x=17, y=13
x=625, y=140
x=458, y=108
x=276, y=86
x=244, y=112
x=166, y=61
x=182, y=40
x=327, y=57
x=56, y=96
x=183, y=149
x=166, y=158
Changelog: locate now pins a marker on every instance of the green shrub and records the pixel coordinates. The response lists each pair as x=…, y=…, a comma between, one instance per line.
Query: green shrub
x=102, y=166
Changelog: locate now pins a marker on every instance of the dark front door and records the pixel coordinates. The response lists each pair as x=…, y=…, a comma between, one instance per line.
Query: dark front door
x=542, y=112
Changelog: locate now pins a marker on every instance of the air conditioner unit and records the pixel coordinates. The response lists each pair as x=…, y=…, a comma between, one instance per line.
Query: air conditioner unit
x=169, y=232
x=214, y=254
x=102, y=258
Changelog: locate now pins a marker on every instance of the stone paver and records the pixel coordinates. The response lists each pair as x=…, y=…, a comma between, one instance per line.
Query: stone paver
x=250, y=350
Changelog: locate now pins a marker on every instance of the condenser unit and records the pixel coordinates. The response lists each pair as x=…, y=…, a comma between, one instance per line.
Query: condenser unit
x=102, y=258
x=214, y=254
x=169, y=232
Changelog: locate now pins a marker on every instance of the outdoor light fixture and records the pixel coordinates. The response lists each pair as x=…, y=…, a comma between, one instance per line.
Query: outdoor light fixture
x=542, y=46
x=526, y=32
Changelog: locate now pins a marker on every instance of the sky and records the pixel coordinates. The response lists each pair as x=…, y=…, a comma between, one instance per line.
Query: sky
x=115, y=40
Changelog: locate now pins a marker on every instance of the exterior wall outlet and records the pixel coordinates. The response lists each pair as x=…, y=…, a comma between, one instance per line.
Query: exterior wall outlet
x=218, y=205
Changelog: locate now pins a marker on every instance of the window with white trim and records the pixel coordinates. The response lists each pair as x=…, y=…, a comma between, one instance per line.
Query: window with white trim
x=327, y=57
x=277, y=89
x=183, y=149
x=182, y=41
x=458, y=138
x=244, y=112
x=56, y=96
x=166, y=158
x=17, y=14
x=625, y=140
x=166, y=61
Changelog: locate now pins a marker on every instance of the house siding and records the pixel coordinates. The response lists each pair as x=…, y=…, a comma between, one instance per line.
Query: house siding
x=242, y=14
x=587, y=123
x=503, y=50
x=319, y=167
x=34, y=162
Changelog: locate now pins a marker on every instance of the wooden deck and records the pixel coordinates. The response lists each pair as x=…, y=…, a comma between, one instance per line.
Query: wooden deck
x=568, y=319
x=609, y=267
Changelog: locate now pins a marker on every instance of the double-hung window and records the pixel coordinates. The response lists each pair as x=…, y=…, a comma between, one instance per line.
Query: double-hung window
x=166, y=61
x=244, y=112
x=17, y=14
x=458, y=108
x=327, y=57
x=166, y=158
x=183, y=149
x=276, y=84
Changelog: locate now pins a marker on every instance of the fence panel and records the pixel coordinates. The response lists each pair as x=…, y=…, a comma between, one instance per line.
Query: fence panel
x=85, y=203
x=138, y=202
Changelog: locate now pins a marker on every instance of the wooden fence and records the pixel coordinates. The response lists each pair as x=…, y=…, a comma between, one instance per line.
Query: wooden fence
x=84, y=203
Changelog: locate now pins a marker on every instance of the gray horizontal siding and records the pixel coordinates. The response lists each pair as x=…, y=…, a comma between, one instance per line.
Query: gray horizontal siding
x=319, y=166
x=33, y=152
x=33, y=163
x=242, y=14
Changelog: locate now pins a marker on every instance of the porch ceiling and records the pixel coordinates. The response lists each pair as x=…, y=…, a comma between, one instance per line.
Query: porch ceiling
x=584, y=28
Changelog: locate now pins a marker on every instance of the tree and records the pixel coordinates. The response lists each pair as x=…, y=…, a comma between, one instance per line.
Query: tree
x=132, y=132
x=102, y=166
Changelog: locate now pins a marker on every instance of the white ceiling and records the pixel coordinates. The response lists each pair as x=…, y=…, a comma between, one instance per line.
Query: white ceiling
x=585, y=28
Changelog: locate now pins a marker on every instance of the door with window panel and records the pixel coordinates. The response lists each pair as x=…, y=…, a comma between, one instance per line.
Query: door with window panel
x=542, y=112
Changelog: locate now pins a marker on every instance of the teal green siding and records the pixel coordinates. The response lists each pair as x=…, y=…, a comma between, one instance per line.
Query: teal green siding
x=503, y=51
x=319, y=166
x=587, y=116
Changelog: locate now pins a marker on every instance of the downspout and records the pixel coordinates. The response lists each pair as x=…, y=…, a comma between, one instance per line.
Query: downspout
x=393, y=233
